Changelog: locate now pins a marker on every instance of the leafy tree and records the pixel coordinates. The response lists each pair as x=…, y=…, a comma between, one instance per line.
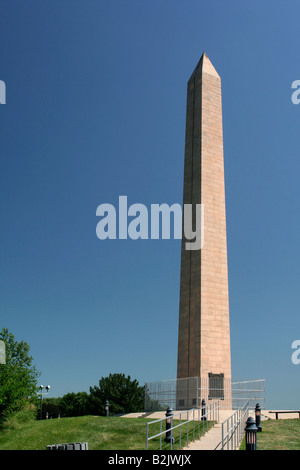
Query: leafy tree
x=74, y=404
x=124, y=395
x=52, y=407
x=18, y=376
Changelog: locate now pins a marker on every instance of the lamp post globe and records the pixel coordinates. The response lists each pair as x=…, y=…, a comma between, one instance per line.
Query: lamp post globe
x=106, y=408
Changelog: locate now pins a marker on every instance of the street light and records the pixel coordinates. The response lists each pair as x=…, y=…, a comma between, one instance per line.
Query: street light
x=41, y=387
x=258, y=417
x=203, y=413
x=251, y=430
x=169, y=415
x=106, y=408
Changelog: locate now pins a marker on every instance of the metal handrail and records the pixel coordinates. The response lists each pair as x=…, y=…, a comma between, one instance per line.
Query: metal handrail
x=233, y=428
x=210, y=410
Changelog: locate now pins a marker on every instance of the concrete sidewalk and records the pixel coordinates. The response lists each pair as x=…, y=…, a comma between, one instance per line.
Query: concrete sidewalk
x=213, y=437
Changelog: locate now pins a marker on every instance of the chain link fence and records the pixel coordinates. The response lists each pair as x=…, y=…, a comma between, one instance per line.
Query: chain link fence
x=184, y=394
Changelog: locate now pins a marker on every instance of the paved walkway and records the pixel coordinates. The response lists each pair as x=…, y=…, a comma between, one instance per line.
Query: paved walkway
x=271, y=414
x=213, y=437
x=209, y=441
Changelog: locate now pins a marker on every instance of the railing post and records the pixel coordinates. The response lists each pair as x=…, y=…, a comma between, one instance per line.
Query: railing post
x=187, y=434
x=222, y=448
x=180, y=431
x=160, y=434
x=235, y=431
x=227, y=434
x=193, y=424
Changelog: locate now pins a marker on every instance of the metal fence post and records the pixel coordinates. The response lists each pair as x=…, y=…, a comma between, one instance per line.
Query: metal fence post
x=222, y=446
x=147, y=433
x=160, y=433
x=187, y=434
x=193, y=424
x=180, y=431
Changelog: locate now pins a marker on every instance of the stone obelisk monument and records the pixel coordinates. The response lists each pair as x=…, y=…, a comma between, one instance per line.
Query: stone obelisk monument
x=204, y=331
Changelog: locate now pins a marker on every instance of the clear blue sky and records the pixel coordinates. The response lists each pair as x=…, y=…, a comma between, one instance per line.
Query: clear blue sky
x=96, y=100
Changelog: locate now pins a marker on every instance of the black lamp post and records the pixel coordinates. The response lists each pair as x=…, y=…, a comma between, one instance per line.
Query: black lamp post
x=169, y=421
x=203, y=412
x=258, y=417
x=41, y=387
x=106, y=408
x=251, y=430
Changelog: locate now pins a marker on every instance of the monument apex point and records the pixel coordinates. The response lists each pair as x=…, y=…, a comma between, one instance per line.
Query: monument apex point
x=205, y=66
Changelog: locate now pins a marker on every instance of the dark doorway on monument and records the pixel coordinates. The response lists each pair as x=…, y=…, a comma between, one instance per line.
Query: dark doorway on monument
x=215, y=386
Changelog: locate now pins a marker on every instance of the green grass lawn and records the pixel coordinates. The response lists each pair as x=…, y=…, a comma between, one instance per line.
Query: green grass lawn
x=281, y=434
x=116, y=433
x=101, y=433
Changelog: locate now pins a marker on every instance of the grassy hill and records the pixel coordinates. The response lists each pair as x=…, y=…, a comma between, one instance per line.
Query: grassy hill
x=281, y=434
x=101, y=433
x=23, y=433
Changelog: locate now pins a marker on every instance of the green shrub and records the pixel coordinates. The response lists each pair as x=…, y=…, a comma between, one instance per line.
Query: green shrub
x=18, y=419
